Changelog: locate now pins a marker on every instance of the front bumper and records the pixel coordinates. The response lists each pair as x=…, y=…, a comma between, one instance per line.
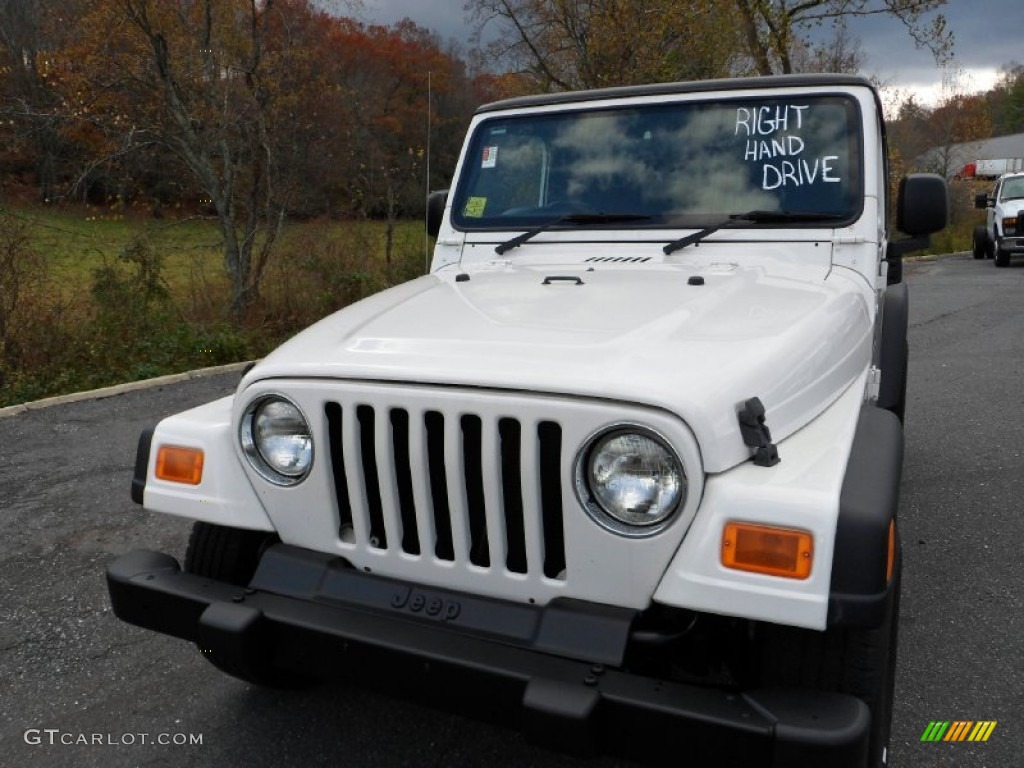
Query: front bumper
x=551, y=670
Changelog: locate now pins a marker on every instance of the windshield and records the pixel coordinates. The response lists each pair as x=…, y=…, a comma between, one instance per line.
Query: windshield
x=676, y=164
x=1013, y=188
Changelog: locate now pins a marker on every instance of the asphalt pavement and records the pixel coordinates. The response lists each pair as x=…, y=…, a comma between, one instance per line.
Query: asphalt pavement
x=80, y=688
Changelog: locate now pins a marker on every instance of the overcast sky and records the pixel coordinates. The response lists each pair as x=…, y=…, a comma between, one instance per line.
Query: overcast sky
x=988, y=37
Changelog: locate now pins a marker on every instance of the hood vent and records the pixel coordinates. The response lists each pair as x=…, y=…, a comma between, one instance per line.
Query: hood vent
x=618, y=259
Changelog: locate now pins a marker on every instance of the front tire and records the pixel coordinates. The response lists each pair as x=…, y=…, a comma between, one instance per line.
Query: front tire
x=231, y=555
x=860, y=662
x=978, y=242
x=225, y=554
x=1002, y=257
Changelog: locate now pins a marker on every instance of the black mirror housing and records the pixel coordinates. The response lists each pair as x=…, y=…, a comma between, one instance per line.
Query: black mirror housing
x=436, y=201
x=981, y=200
x=922, y=206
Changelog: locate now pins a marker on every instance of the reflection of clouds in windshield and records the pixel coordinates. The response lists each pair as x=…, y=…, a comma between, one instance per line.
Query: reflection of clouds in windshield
x=719, y=183
x=604, y=156
x=524, y=157
x=696, y=167
x=688, y=159
x=712, y=175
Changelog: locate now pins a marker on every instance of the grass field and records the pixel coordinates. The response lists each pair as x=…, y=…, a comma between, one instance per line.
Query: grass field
x=76, y=242
x=104, y=297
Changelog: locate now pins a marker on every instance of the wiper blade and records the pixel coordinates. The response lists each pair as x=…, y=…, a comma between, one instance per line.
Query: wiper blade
x=747, y=218
x=569, y=218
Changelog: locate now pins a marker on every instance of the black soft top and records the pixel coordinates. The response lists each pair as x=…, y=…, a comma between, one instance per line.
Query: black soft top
x=696, y=86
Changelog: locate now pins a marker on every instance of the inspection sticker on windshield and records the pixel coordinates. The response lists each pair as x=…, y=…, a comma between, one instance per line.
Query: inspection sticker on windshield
x=475, y=207
x=490, y=159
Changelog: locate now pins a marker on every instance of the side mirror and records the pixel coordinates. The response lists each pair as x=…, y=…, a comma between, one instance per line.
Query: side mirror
x=981, y=200
x=922, y=206
x=436, y=201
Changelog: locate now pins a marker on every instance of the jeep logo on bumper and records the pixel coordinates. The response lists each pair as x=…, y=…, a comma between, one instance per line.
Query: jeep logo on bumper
x=415, y=601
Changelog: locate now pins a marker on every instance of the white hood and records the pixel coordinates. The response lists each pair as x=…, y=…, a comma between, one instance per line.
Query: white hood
x=640, y=334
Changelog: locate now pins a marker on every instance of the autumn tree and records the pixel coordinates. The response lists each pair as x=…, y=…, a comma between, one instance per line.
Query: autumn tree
x=942, y=138
x=774, y=29
x=909, y=130
x=206, y=81
x=418, y=88
x=258, y=109
x=33, y=121
x=840, y=52
x=595, y=43
x=1006, y=101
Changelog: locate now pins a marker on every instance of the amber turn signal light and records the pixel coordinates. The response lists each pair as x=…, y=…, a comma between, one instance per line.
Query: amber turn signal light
x=764, y=549
x=179, y=465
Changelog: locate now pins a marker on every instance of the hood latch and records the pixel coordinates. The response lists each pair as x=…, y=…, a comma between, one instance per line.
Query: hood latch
x=756, y=433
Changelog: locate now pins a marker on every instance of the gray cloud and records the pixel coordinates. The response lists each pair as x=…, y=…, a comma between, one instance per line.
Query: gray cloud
x=987, y=35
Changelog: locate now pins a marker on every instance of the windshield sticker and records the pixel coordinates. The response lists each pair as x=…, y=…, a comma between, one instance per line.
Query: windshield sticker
x=773, y=139
x=490, y=159
x=475, y=207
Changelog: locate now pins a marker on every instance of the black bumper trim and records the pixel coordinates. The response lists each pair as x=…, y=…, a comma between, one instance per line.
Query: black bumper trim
x=868, y=502
x=142, y=464
x=586, y=631
x=563, y=703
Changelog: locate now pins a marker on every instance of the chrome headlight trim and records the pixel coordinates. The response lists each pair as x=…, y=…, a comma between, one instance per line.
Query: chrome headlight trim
x=250, y=442
x=593, y=507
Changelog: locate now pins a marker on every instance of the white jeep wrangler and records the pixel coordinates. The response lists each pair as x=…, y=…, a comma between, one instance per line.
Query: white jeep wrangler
x=623, y=469
x=1002, y=235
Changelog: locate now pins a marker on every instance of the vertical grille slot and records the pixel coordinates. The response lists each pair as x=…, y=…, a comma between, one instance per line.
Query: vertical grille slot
x=403, y=480
x=510, y=434
x=472, y=448
x=371, y=478
x=443, y=548
x=549, y=434
x=346, y=532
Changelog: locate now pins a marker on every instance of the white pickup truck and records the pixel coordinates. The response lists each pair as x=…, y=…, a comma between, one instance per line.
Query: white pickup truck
x=1002, y=235
x=621, y=471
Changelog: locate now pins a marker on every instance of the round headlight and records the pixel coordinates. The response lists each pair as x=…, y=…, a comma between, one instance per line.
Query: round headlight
x=630, y=481
x=277, y=441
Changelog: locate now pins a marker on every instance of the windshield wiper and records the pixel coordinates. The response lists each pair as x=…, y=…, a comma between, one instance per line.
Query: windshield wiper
x=746, y=218
x=569, y=218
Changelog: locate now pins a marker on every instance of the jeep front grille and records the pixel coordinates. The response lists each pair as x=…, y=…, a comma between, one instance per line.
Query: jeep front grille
x=463, y=488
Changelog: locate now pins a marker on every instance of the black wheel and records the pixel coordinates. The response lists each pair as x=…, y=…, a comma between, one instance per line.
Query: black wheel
x=231, y=555
x=859, y=662
x=1002, y=257
x=990, y=247
x=978, y=240
x=225, y=554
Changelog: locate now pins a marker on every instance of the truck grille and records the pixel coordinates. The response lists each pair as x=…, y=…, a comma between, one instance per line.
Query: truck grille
x=461, y=487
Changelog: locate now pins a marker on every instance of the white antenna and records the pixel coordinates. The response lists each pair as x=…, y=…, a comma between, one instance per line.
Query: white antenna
x=426, y=236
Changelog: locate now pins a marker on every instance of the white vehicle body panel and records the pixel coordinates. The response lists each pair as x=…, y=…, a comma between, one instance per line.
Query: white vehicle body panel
x=803, y=491
x=224, y=495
